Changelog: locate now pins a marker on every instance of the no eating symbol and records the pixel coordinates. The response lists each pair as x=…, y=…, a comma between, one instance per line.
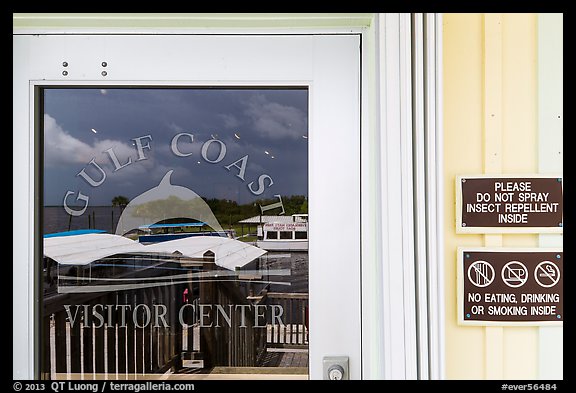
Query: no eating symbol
x=481, y=273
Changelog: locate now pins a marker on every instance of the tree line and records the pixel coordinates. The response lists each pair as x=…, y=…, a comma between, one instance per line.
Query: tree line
x=229, y=212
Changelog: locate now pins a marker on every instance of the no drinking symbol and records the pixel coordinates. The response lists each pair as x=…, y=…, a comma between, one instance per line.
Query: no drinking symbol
x=514, y=274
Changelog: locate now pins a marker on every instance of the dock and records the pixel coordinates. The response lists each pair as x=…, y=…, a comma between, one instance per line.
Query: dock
x=128, y=348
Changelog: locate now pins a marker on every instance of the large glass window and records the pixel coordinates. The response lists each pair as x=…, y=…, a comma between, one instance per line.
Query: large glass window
x=152, y=200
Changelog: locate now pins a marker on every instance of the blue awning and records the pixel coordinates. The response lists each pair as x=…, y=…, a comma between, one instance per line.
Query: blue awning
x=72, y=233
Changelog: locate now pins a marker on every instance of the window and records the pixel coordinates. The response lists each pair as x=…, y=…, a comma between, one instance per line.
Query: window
x=119, y=161
x=272, y=235
x=301, y=235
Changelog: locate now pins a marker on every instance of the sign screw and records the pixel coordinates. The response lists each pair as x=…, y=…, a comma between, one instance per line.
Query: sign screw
x=65, y=73
x=104, y=64
x=463, y=180
x=104, y=73
x=559, y=180
x=557, y=256
x=558, y=316
x=65, y=64
x=463, y=224
x=560, y=224
x=467, y=315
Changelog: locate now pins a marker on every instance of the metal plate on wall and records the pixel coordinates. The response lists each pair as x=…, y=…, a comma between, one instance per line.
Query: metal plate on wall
x=509, y=204
x=510, y=286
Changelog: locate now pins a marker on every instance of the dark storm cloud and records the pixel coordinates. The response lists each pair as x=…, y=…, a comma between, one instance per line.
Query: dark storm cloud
x=265, y=124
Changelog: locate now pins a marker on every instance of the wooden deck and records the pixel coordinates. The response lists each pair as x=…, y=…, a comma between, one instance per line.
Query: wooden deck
x=285, y=359
x=238, y=373
x=276, y=364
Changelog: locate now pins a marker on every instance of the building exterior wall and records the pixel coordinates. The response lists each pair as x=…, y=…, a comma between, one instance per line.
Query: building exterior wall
x=493, y=87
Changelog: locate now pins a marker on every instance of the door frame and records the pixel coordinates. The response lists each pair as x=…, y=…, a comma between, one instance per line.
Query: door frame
x=401, y=319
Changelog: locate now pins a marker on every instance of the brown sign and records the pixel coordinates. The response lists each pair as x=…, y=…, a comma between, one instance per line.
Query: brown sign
x=509, y=204
x=508, y=286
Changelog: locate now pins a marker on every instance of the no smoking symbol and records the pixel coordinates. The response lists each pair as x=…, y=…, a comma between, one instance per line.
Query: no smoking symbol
x=547, y=274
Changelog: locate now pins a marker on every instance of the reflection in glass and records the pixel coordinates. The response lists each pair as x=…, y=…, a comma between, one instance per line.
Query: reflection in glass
x=175, y=232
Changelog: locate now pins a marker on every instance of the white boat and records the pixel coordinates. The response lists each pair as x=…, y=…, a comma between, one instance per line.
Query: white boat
x=284, y=236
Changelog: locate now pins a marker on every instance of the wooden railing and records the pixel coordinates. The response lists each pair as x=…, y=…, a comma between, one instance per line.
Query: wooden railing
x=238, y=345
x=294, y=332
x=120, y=347
x=125, y=346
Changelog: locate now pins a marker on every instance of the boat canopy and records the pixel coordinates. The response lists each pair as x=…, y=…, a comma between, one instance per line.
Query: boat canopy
x=278, y=219
x=176, y=225
x=86, y=248
x=230, y=253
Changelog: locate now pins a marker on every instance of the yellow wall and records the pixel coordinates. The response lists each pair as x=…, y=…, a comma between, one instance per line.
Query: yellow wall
x=490, y=126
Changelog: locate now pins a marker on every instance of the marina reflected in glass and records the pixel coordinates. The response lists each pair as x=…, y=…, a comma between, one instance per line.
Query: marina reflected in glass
x=175, y=232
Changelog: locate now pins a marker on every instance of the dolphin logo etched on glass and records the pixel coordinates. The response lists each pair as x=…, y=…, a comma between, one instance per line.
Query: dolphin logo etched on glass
x=163, y=202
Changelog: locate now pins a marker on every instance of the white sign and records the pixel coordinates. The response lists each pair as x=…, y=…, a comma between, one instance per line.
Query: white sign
x=292, y=226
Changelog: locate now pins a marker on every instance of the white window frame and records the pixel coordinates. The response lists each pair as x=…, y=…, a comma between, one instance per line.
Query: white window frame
x=395, y=343
x=402, y=199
